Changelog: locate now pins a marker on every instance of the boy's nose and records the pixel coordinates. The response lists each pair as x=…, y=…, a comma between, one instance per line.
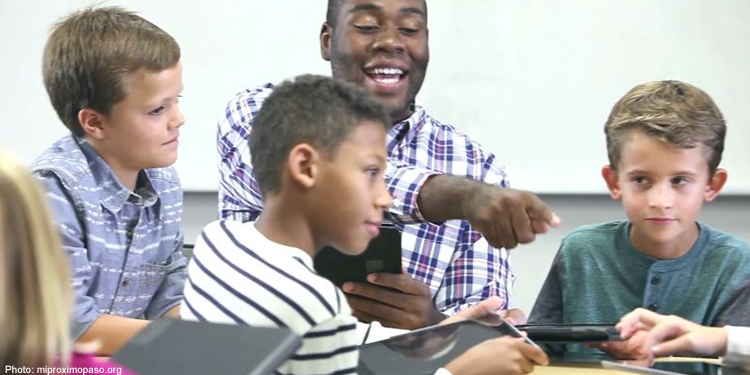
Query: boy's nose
x=177, y=120
x=383, y=200
x=661, y=196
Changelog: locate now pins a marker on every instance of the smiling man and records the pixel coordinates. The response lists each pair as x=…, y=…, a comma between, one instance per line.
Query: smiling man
x=381, y=45
x=447, y=189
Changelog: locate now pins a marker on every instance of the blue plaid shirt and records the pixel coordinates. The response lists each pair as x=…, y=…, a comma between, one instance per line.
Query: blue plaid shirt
x=453, y=259
x=124, y=248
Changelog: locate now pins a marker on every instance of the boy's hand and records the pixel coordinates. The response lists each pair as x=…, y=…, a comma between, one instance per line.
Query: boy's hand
x=507, y=217
x=504, y=355
x=514, y=316
x=633, y=348
x=491, y=305
x=394, y=300
x=666, y=335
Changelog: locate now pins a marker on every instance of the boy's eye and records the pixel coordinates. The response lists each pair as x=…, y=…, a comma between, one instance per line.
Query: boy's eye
x=679, y=181
x=157, y=111
x=372, y=171
x=409, y=30
x=639, y=180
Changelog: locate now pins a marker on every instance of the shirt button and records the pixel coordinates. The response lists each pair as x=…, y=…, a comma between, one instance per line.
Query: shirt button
x=125, y=282
x=653, y=307
x=129, y=233
x=655, y=280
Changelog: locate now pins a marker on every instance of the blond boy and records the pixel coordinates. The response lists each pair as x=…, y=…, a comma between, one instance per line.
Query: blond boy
x=664, y=141
x=114, y=80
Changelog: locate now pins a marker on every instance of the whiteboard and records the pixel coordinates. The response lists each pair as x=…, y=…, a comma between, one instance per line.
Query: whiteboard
x=532, y=80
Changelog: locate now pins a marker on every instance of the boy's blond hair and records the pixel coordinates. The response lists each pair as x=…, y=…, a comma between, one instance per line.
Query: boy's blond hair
x=35, y=291
x=676, y=113
x=91, y=53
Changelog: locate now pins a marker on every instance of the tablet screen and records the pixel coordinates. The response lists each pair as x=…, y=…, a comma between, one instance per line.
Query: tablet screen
x=426, y=350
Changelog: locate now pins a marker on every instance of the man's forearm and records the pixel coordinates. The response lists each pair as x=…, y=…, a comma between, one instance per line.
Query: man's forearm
x=112, y=332
x=506, y=217
x=442, y=197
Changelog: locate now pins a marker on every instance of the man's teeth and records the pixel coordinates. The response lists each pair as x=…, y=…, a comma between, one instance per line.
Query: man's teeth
x=386, y=80
x=386, y=75
x=388, y=71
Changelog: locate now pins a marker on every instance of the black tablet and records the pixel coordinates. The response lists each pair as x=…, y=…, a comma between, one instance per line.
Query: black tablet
x=570, y=333
x=179, y=347
x=383, y=254
x=425, y=350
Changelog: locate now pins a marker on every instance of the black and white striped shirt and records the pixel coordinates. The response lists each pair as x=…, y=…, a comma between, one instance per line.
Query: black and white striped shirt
x=239, y=276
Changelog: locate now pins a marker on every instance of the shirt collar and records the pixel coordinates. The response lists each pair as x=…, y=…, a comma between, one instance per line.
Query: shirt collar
x=407, y=128
x=112, y=193
x=686, y=259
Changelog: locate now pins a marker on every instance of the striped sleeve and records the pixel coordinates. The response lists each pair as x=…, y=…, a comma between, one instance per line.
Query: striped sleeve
x=238, y=276
x=328, y=348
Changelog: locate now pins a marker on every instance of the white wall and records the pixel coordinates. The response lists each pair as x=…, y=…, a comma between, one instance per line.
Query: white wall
x=533, y=80
x=531, y=262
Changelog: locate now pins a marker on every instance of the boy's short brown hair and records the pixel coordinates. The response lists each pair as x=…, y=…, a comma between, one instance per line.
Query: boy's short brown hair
x=90, y=54
x=676, y=113
x=317, y=110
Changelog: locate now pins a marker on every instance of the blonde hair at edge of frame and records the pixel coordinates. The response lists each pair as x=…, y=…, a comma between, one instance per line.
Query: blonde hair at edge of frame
x=35, y=291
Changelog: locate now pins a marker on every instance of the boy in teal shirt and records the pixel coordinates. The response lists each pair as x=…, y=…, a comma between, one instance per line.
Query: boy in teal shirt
x=664, y=141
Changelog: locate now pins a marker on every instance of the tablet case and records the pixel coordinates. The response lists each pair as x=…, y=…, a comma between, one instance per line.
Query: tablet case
x=383, y=254
x=178, y=347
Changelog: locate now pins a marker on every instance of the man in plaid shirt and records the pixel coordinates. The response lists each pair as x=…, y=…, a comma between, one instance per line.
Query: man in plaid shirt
x=447, y=190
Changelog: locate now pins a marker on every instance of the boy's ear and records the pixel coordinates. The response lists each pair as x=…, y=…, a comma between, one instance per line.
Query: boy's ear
x=302, y=164
x=715, y=184
x=610, y=178
x=325, y=41
x=92, y=123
